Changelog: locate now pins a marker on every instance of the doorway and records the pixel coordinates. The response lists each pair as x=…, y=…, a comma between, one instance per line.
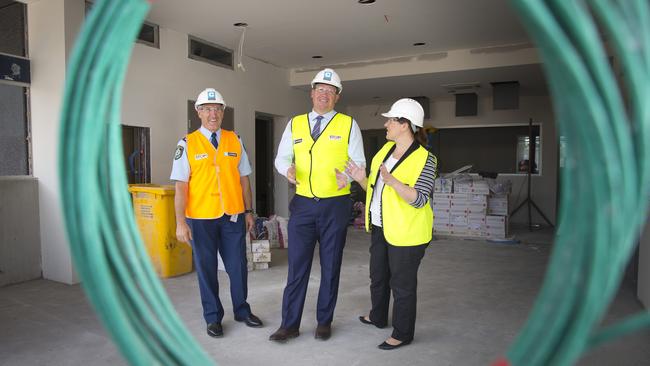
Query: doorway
x=264, y=165
x=135, y=145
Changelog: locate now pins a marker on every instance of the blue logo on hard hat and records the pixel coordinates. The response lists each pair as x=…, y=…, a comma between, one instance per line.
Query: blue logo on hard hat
x=327, y=76
x=212, y=95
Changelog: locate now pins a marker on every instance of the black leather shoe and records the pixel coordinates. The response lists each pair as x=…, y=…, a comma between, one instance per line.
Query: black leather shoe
x=362, y=319
x=215, y=330
x=323, y=332
x=251, y=321
x=284, y=334
x=388, y=347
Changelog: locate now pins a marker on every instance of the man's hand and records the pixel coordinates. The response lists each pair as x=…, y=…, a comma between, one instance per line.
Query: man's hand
x=341, y=179
x=250, y=222
x=183, y=232
x=291, y=174
x=388, y=178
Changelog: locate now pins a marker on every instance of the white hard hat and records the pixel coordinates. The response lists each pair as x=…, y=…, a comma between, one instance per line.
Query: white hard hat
x=328, y=76
x=409, y=109
x=209, y=96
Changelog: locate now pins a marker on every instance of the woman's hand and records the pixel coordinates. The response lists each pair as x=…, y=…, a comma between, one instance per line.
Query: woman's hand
x=388, y=178
x=356, y=172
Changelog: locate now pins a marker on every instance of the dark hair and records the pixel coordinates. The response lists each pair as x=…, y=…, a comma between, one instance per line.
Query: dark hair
x=419, y=135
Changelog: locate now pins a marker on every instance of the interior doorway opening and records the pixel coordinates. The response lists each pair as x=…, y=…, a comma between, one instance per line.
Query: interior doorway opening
x=264, y=165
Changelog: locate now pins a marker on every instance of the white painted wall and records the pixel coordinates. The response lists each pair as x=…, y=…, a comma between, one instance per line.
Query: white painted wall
x=538, y=108
x=47, y=50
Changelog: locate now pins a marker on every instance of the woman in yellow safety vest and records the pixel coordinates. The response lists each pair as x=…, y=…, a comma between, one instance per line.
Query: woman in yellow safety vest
x=398, y=211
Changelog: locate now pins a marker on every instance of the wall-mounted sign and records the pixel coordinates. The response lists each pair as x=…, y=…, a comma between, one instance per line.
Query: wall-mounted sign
x=14, y=69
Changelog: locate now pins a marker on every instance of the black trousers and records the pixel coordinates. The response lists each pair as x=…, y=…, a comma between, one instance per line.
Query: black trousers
x=394, y=268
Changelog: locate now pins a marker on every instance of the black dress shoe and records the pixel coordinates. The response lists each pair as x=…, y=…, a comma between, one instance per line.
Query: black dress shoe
x=323, y=332
x=364, y=321
x=283, y=334
x=215, y=330
x=388, y=347
x=251, y=321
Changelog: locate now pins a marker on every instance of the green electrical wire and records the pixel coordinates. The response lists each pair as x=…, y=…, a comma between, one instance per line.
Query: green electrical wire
x=606, y=182
x=107, y=251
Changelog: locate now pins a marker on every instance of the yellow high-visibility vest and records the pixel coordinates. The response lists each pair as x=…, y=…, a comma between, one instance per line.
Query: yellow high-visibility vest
x=214, y=187
x=403, y=224
x=316, y=160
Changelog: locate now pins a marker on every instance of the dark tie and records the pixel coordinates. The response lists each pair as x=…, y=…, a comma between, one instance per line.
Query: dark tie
x=213, y=140
x=316, y=130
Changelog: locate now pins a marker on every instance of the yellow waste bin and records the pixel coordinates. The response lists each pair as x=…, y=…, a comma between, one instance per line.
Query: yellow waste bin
x=154, y=213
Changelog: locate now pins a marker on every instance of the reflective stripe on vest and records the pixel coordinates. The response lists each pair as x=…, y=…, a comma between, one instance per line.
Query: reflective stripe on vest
x=403, y=224
x=316, y=161
x=214, y=187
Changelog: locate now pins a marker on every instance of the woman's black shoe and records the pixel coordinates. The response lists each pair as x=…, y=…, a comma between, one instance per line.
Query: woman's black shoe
x=364, y=321
x=388, y=347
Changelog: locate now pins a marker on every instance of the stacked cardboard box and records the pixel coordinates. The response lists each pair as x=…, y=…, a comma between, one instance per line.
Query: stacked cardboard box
x=261, y=254
x=465, y=207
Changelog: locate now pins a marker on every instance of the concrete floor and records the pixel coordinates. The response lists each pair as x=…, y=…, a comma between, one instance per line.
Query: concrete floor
x=473, y=297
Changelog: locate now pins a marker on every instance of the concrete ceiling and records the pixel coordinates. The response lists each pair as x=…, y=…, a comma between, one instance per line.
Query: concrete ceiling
x=287, y=33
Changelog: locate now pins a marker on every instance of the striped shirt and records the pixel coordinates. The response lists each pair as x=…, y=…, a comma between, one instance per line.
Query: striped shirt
x=424, y=184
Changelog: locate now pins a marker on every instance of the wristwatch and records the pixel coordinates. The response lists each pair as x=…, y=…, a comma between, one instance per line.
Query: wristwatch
x=248, y=211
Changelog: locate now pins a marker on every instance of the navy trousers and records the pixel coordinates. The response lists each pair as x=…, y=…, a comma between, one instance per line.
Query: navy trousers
x=326, y=221
x=227, y=238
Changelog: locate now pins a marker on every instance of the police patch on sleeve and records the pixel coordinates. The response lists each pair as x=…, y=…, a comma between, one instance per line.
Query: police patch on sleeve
x=178, y=153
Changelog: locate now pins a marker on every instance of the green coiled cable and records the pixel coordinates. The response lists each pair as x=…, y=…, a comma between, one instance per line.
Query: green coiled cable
x=106, y=248
x=605, y=193
x=603, y=203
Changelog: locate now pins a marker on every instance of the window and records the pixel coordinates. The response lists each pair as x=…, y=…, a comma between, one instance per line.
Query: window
x=149, y=34
x=502, y=149
x=14, y=80
x=12, y=28
x=209, y=52
x=14, y=139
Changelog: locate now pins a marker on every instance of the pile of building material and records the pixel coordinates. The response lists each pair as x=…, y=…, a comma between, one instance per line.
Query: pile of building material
x=260, y=254
x=465, y=206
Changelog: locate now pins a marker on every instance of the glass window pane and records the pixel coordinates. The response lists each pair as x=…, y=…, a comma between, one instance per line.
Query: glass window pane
x=12, y=28
x=13, y=139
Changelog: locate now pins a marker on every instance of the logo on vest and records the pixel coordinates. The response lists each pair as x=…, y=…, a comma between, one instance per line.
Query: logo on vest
x=230, y=154
x=297, y=141
x=200, y=156
x=334, y=137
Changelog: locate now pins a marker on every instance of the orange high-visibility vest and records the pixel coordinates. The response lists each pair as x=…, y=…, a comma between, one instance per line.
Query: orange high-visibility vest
x=214, y=187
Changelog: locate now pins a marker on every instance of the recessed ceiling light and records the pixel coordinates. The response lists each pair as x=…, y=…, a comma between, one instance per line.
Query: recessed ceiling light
x=317, y=56
x=366, y=1
x=419, y=44
x=241, y=24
